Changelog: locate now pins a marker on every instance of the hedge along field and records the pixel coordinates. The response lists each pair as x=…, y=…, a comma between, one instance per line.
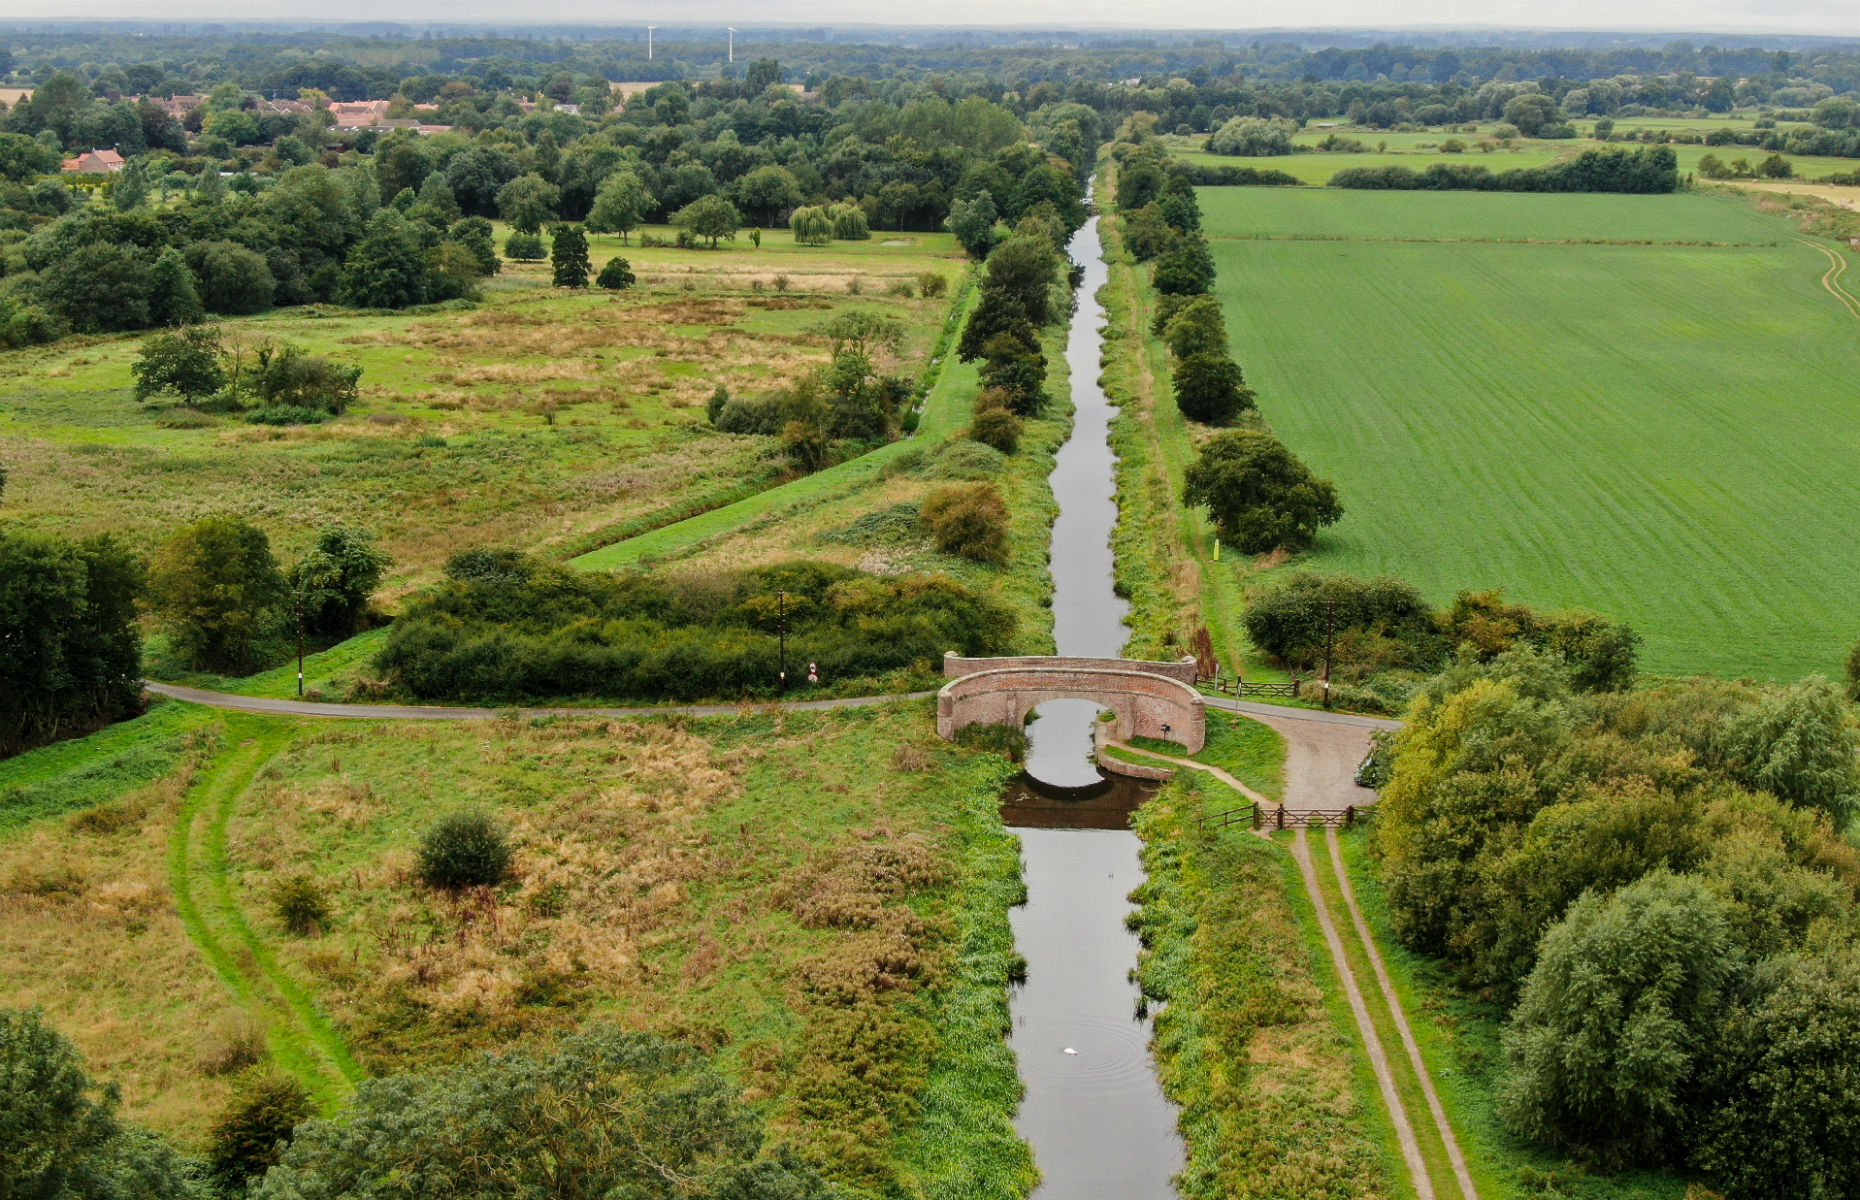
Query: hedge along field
x=541, y=418
x=1663, y=433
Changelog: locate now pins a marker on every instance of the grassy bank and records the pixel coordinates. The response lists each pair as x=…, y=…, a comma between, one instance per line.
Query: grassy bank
x=1271, y=1105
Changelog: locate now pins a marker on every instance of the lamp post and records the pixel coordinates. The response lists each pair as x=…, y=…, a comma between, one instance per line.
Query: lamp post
x=782, y=625
x=1330, y=641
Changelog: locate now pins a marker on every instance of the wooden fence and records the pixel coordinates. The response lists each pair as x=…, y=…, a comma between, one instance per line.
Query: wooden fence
x=1239, y=688
x=1255, y=817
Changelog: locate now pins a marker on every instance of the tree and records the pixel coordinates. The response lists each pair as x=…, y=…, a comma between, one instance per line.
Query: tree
x=475, y=234
x=524, y=247
x=250, y=1134
x=767, y=192
x=70, y=648
x=710, y=217
x=997, y=427
x=973, y=222
x=811, y=226
x=1788, y=1127
x=231, y=279
x=1611, y=1036
x=1197, y=328
x=527, y=202
x=1260, y=496
x=1532, y=112
x=1797, y=744
x=616, y=275
x=349, y=566
x=620, y=205
x=218, y=593
x=969, y=520
x=291, y=378
x=22, y=158
x=98, y=288
x=1185, y=268
x=60, y=1135
x=1253, y=136
x=1210, y=389
x=173, y=299
x=387, y=268
x=604, y=1113
x=188, y=363
x=568, y=255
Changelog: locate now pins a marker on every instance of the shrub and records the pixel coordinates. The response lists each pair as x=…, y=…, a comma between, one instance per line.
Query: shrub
x=617, y=275
x=967, y=460
x=186, y=364
x=291, y=378
x=1253, y=136
x=250, y=1134
x=1005, y=740
x=1385, y=621
x=997, y=427
x=933, y=284
x=970, y=521
x=525, y=247
x=465, y=849
x=298, y=904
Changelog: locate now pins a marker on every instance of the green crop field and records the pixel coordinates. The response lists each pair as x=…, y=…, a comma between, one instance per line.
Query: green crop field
x=1661, y=429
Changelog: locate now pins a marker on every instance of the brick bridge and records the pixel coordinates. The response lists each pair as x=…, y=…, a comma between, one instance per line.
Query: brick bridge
x=1148, y=699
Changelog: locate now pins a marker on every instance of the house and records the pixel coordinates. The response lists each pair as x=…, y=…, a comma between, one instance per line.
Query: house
x=94, y=162
x=286, y=108
x=358, y=114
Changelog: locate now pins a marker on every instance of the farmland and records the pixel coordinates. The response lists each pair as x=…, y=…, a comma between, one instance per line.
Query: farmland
x=1639, y=405
x=540, y=419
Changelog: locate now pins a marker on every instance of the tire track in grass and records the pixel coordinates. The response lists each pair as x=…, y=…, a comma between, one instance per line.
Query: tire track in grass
x=300, y=1037
x=1831, y=281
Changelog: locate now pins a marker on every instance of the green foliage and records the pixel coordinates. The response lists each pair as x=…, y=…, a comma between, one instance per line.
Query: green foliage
x=217, y=592
x=387, y=269
x=849, y=223
x=504, y=625
x=337, y=576
x=604, y=1113
x=616, y=275
x=1006, y=740
x=1185, y=267
x=525, y=247
x=973, y=220
x=464, y=849
x=70, y=649
x=1018, y=286
x=173, y=298
x=232, y=280
x=710, y=217
x=298, y=903
x=1612, y=1035
x=186, y=363
x=969, y=520
x=620, y=205
x=767, y=192
x=811, y=226
x=60, y=1136
x=1370, y=624
x=98, y=288
x=1196, y=328
x=1253, y=137
x=1260, y=495
x=250, y=1134
x=527, y=202
x=1799, y=744
x=997, y=427
x=1210, y=389
x=568, y=256
x=290, y=377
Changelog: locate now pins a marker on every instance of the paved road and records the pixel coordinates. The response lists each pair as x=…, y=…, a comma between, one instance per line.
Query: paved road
x=422, y=712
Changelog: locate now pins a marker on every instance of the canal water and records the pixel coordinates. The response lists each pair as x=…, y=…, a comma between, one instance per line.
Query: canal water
x=1094, y=1113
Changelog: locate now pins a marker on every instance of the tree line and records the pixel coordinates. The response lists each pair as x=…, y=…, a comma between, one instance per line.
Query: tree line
x=1656, y=886
x=1642, y=171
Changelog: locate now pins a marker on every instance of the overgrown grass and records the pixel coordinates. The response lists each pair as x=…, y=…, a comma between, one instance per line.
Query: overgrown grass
x=1655, y=432
x=1243, y=1041
x=67, y=776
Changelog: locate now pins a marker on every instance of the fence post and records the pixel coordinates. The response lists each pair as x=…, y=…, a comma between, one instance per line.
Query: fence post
x=1281, y=816
x=1294, y=685
x=1255, y=818
x=1349, y=817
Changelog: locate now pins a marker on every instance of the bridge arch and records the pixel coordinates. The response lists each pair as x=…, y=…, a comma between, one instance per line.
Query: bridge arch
x=1143, y=703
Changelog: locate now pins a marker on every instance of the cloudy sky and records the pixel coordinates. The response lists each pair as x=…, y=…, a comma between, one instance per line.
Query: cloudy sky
x=1780, y=16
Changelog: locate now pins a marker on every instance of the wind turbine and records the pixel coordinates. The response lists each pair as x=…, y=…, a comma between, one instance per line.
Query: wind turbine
x=649, y=30
x=732, y=30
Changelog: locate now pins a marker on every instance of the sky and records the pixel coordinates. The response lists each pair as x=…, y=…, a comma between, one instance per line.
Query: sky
x=1841, y=17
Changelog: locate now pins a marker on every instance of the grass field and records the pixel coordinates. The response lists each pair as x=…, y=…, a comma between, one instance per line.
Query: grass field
x=541, y=418
x=1659, y=430
x=1417, y=151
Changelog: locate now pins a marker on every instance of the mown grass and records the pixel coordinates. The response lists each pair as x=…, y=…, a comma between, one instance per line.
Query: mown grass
x=1248, y=750
x=1654, y=432
x=1459, y=1039
x=539, y=418
x=1244, y=1041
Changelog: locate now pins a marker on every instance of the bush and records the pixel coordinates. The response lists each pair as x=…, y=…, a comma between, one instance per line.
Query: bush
x=1253, y=137
x=933, y=284
x=465, y=849
x=1385, y=621
x=1210, y=389
x=186, y=364
x=291, y=378
x=617, y=275
x=298, y=904
x=1006, y=740
x=997, y=427
x=525, y=247
x=967, y=460
x=250, y=1134
x=970, y=521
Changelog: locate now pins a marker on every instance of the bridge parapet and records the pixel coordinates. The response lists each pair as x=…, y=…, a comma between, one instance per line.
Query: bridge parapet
x=1144, y=703
x=1183, y=671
